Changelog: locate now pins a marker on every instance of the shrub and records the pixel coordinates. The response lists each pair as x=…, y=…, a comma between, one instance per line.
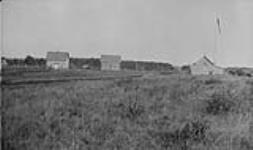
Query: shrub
x=186, y=69
x=212, y=81
x=131, y=109
x=192, y=133
x=129, y=106
x=219, y=104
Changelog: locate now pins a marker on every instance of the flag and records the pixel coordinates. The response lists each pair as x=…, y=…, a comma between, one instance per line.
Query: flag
x=219, y=24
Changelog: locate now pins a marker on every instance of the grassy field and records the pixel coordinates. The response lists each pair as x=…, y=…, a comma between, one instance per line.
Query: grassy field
x=40, y=75
x=176, y=112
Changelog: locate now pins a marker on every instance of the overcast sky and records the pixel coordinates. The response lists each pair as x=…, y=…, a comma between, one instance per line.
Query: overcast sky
x=174, y=31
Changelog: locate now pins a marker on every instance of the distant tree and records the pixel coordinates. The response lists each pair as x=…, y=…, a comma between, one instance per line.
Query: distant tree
x=40, y=61
x=94, y=63
x=29, y=60
x=128, y=65
x=186, y=69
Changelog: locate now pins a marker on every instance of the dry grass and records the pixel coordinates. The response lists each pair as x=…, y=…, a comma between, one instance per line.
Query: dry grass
x=23, y=77
x=173, y=112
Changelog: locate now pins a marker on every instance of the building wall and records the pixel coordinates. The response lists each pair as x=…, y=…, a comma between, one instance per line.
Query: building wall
x=205, y=68
x=110, y=62
x=58, y=64
x=200, y=69
x=106, y=65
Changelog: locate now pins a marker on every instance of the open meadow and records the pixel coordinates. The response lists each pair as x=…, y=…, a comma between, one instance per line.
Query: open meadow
x=169, y=112
x=33, y=75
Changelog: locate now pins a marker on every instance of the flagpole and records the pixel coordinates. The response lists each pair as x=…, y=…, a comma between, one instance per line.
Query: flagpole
x=217, y=38
x=215, y=42
x=1, y=39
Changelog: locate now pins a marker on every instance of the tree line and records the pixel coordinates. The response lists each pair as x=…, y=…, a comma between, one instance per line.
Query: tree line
x=91, y=63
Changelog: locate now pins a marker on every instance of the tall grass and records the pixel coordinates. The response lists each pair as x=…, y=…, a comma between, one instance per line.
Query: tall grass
x=173, y=113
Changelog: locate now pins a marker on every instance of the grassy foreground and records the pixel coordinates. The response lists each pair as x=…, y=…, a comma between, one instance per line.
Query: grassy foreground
x=170, y=113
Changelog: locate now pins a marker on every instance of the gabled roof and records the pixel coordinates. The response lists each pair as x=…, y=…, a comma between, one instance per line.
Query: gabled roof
x=205, y=59
x=114, y=58
x=57, y=56
x=208, y=60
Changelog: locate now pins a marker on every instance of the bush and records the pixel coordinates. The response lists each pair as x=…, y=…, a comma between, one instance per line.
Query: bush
x=186, y=69
x=130, y=109
x=192, y=133
x=240, y=72
x=219, y=104
x=212, y=81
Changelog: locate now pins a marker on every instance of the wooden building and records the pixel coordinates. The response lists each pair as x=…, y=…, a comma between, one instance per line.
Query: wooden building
x=205, y=66
x=58, y=60
x=110, y=62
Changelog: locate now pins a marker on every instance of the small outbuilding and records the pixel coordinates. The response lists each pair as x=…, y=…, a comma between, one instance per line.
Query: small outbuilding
x=110, y=62
x=58, y=60
x=4, y=62
x=205, y=66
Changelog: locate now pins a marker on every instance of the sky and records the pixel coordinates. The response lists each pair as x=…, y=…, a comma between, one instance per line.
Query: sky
x=173, y=31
